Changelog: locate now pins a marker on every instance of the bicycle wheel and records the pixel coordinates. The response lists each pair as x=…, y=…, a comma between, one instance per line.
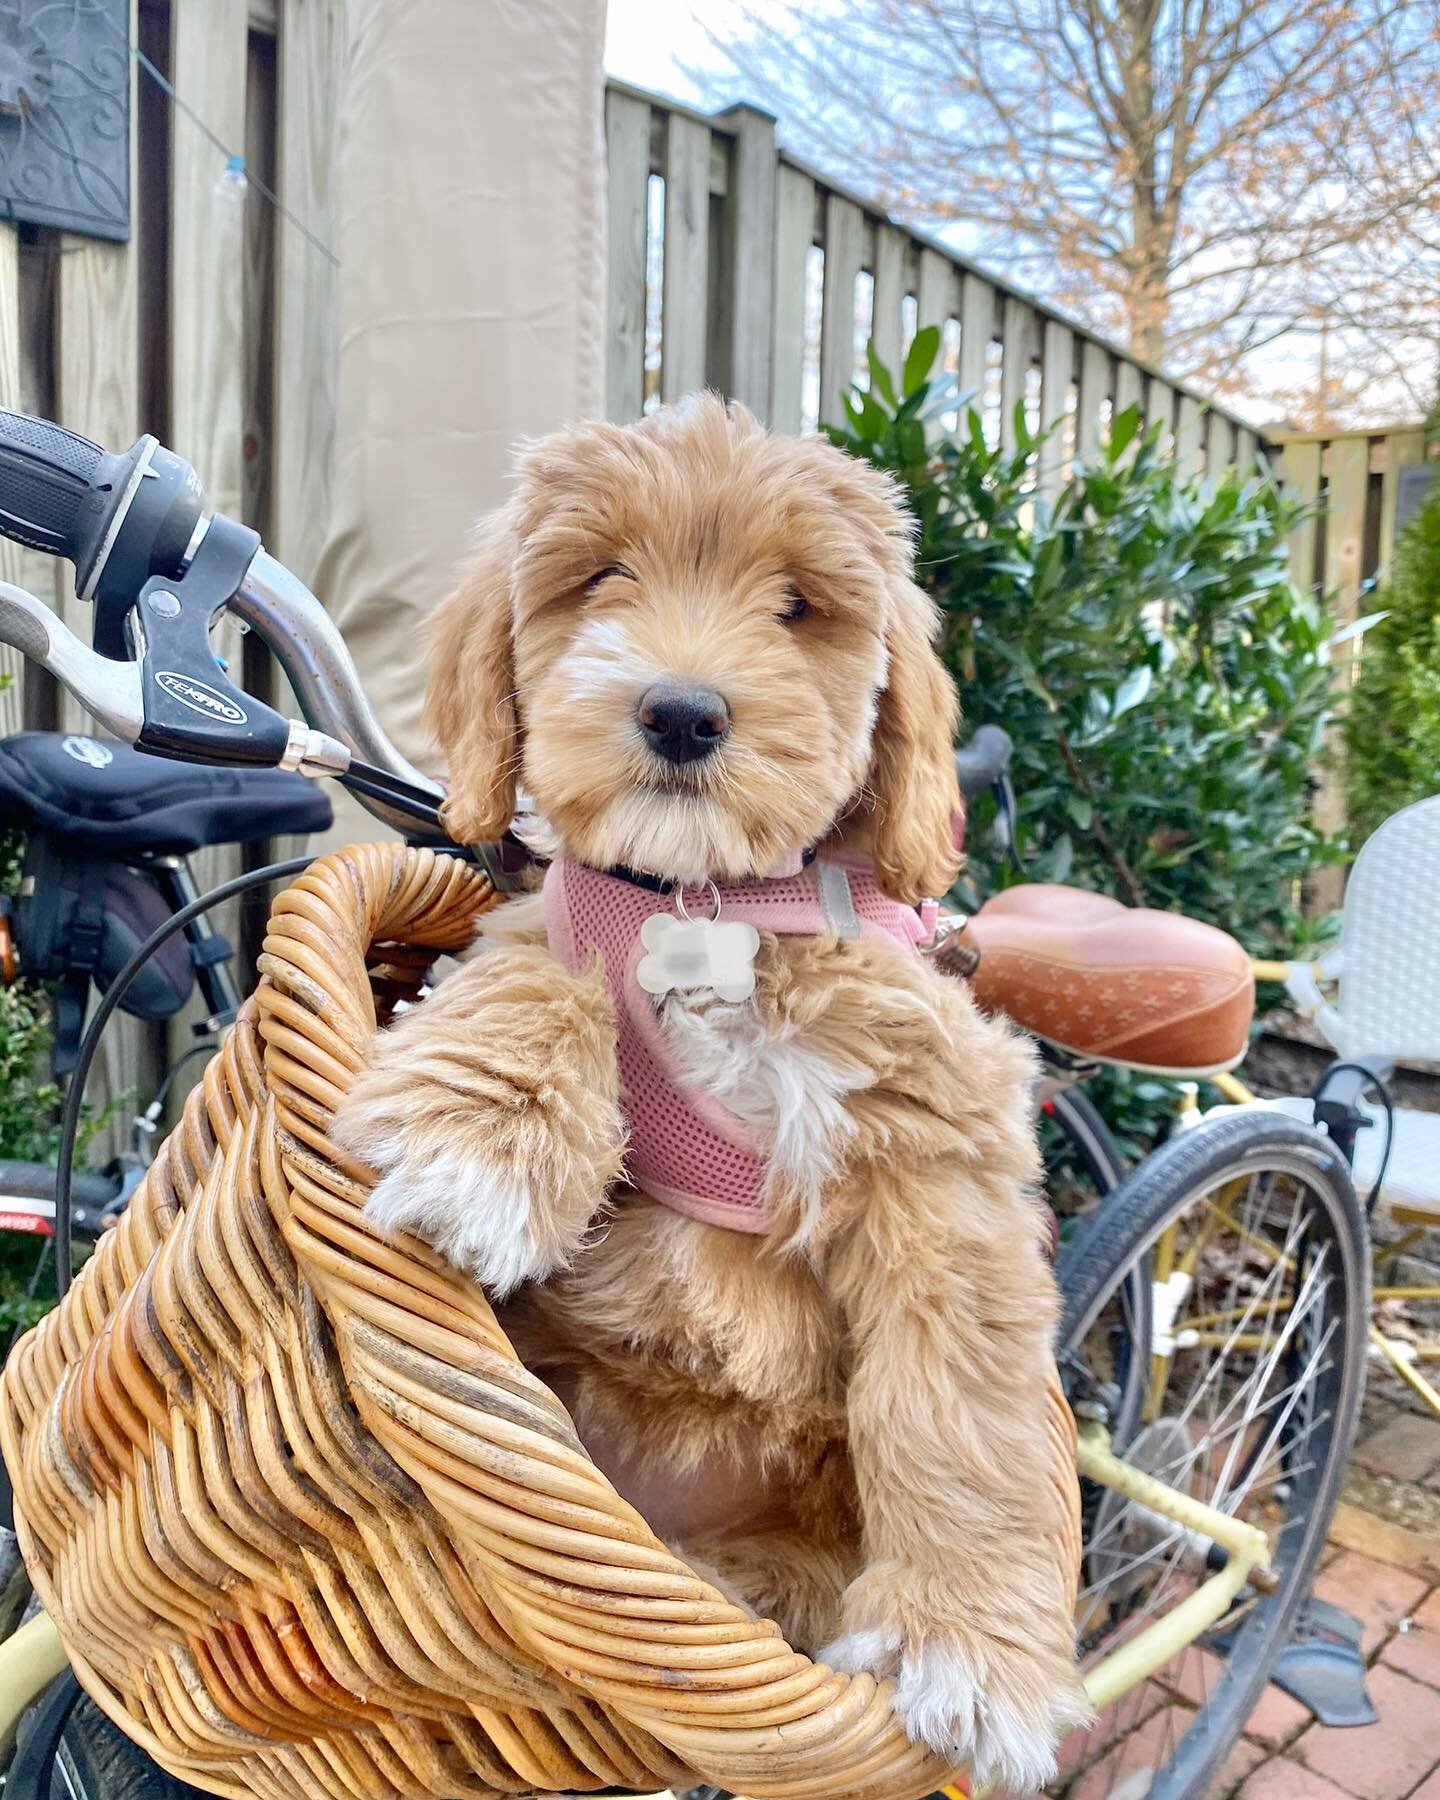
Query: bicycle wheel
x=27, y=1199
x=1253, y=1358
x=1076, y=1142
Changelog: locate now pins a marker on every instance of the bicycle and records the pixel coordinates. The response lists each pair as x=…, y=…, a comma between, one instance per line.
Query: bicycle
x=109, y=836
x=1208, y=1537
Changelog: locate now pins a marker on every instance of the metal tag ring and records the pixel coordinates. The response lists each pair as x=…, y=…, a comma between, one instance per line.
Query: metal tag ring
x=680, y=906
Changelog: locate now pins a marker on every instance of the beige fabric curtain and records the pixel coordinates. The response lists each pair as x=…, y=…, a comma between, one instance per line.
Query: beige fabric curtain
x=471, y=239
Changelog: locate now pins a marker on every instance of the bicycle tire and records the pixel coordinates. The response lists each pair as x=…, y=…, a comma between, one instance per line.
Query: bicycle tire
x=1089, y=1136
x=32, y=1181
x=1163, y=1189
x=96, y=1761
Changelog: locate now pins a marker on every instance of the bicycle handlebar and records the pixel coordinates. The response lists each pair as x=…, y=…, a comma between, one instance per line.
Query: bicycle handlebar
x=984, y=760
x=159, y=571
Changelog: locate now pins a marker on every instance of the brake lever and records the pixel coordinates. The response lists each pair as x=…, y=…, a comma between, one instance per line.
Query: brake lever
x=109, y=691
x=1006, y=812
x=190, y=717
x=193, y=711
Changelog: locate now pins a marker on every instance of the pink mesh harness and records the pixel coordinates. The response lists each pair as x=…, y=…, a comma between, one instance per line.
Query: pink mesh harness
x=686, y=1149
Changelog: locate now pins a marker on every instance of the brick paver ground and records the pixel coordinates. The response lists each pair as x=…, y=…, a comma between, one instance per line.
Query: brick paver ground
x=1388, y=1578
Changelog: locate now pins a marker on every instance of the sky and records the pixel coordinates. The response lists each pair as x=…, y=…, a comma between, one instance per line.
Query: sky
x=648, y=41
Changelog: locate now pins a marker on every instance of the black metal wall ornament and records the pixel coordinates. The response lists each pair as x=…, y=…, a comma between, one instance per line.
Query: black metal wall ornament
x=65, y=115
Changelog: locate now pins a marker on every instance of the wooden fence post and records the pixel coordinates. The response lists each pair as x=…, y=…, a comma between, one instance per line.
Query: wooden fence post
x=750, y=211
x=627, y=149
x=1095, y=372
x=1300, y=473
x=844, y=254
x=12, y=566
x=1401, y=449
x=1019, y=352
x=794, y=235
x=1057, y=369
x=886, y=320
x=1349, y=460
x=687, y=256
x=977, y=327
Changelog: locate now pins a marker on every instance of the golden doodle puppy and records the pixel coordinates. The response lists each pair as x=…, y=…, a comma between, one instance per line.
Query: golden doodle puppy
x=758, y=1181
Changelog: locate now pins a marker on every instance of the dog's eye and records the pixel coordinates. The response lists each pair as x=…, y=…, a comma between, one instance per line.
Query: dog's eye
x=611, y=572
x=796, y=606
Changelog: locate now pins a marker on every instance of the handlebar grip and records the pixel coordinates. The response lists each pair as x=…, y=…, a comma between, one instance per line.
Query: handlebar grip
x=59, y=492
x=45, y=479
x=984, y=760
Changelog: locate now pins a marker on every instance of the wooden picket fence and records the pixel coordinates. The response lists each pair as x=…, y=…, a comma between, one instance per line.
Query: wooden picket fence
x=733, y=265
x=1352, y=480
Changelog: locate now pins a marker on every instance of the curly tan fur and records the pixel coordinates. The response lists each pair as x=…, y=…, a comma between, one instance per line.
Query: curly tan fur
x=845, y=1422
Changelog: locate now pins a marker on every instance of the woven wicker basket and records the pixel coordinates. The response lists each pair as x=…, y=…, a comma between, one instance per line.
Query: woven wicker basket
x=304, y=1523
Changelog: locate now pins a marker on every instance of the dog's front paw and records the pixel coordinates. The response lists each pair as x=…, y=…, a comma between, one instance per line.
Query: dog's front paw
x=988, y=1706
x=476, y=1216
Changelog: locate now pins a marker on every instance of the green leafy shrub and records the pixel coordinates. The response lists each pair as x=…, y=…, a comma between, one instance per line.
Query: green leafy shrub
x=1392, y=730
x=1139, y=638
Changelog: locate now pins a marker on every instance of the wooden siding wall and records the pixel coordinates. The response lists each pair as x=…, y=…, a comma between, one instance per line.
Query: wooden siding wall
x=213, y=327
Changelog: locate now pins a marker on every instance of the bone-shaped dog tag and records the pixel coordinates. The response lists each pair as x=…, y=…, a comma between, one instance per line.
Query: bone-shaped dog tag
x=698, y=953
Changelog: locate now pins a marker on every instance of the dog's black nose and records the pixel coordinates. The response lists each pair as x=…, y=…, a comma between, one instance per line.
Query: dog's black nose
x=682, y=724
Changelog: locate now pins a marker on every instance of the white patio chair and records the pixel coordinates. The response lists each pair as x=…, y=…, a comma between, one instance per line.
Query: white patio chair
x=1376, y=998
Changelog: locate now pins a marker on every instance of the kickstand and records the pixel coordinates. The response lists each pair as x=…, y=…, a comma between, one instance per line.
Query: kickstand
x=1322, y=1666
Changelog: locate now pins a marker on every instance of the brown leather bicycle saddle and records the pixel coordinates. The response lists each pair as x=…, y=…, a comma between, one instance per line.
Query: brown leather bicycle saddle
x=1113, y=983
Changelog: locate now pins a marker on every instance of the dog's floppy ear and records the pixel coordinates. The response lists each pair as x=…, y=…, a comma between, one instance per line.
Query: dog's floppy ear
x=470, y=696
x=912, y=780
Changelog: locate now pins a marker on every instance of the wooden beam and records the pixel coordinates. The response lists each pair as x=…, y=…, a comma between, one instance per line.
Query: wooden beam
x=937, y=291
x=978, y=322
x=210, y=61
x=258, y=320
x=1160, y=400
x=310, y=69
x=97, y=393
x=12, y=566
x=687, y=257
x=794, y=236
x=1057, y=370
x=1187, y=437
x=627, y=151
x=1347, y=496
x=750, y=220
x=1300, y=473
x=887, y=324
x=1019, y=352
x=1220, y=446
x=844, y=255
x=1402, y=448
x=1095, y=378
x=1129, y=387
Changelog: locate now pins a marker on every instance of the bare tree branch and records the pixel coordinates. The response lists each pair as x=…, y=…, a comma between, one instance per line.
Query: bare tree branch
x=1204, y=175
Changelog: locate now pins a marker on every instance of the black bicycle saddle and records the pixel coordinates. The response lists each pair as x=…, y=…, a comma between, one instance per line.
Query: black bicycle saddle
x=120, y=802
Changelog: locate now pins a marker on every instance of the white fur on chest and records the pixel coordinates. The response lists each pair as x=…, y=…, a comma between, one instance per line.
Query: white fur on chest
x=789, y=1093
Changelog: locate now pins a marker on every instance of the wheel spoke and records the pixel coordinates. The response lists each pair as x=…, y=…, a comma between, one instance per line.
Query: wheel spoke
x=1223, y=1421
